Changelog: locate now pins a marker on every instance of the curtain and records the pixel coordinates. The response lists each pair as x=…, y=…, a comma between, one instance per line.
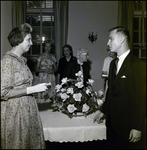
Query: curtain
x=61, y=25
x=18, y=13
x=125, y=17
x=143, y=23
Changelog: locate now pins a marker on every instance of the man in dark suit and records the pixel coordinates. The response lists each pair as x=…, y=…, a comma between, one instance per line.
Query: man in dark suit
x=125, y=103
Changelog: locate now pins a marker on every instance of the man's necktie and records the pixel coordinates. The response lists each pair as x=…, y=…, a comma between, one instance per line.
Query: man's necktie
x=115, y=67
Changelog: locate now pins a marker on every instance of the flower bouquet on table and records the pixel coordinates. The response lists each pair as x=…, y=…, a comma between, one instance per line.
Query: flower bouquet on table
x=72, y=97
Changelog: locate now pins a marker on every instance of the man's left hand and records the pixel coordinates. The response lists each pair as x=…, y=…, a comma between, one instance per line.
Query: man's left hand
x=135, y=135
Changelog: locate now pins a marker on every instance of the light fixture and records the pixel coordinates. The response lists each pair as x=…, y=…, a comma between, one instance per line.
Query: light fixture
x=92, y=37
x=43, y=39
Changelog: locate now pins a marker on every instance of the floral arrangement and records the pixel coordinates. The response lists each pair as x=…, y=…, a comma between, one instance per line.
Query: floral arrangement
x=72, y=97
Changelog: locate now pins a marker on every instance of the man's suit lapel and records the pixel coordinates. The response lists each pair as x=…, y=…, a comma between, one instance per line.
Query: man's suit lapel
x=123, y=68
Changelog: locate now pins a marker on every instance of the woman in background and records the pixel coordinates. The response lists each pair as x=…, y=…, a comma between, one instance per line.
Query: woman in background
x=105, y=68
x=67, y=53
x=21, y=126
x=79, y=64
x=47, y=66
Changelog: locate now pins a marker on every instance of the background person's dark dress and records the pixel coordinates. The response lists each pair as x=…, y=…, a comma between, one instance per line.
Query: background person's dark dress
x=73, y=67
x=62, y=65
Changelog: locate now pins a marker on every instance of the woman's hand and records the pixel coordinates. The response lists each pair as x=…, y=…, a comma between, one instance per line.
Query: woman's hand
x=37, y=88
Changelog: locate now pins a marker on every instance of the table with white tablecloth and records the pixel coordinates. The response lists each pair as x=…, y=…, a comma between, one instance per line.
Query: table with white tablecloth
x=58, y=127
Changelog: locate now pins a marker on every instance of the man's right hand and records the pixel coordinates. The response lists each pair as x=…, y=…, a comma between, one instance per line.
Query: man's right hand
x=99, y=118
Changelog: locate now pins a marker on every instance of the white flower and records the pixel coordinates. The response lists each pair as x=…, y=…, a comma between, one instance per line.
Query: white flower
x=85, y=108
x=90, y=81
x=79, y=74
x=79, y=84
x=58, y=87
x=95, y=93
x=100, y=93
x=71, y=108
x=64, y=80
x=64, y=96
x=88, y=91
x=63, y=90
x=70, y=91
x=77, y=97
x=100, y=102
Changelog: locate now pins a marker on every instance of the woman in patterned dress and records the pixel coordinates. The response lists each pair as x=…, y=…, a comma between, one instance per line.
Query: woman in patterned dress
x=21, y=126
x=47, y=66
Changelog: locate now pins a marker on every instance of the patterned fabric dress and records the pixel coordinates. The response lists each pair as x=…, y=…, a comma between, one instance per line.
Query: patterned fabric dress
x=105, y=71
x=21, y=126
x=46, y=62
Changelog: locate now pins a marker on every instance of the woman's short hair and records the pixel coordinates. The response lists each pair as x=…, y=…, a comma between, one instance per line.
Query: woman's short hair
x=82, y=50
x=69, y=47
x=17, y=35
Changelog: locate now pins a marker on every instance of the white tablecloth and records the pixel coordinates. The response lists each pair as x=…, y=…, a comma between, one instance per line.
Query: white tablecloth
x=58, y=127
